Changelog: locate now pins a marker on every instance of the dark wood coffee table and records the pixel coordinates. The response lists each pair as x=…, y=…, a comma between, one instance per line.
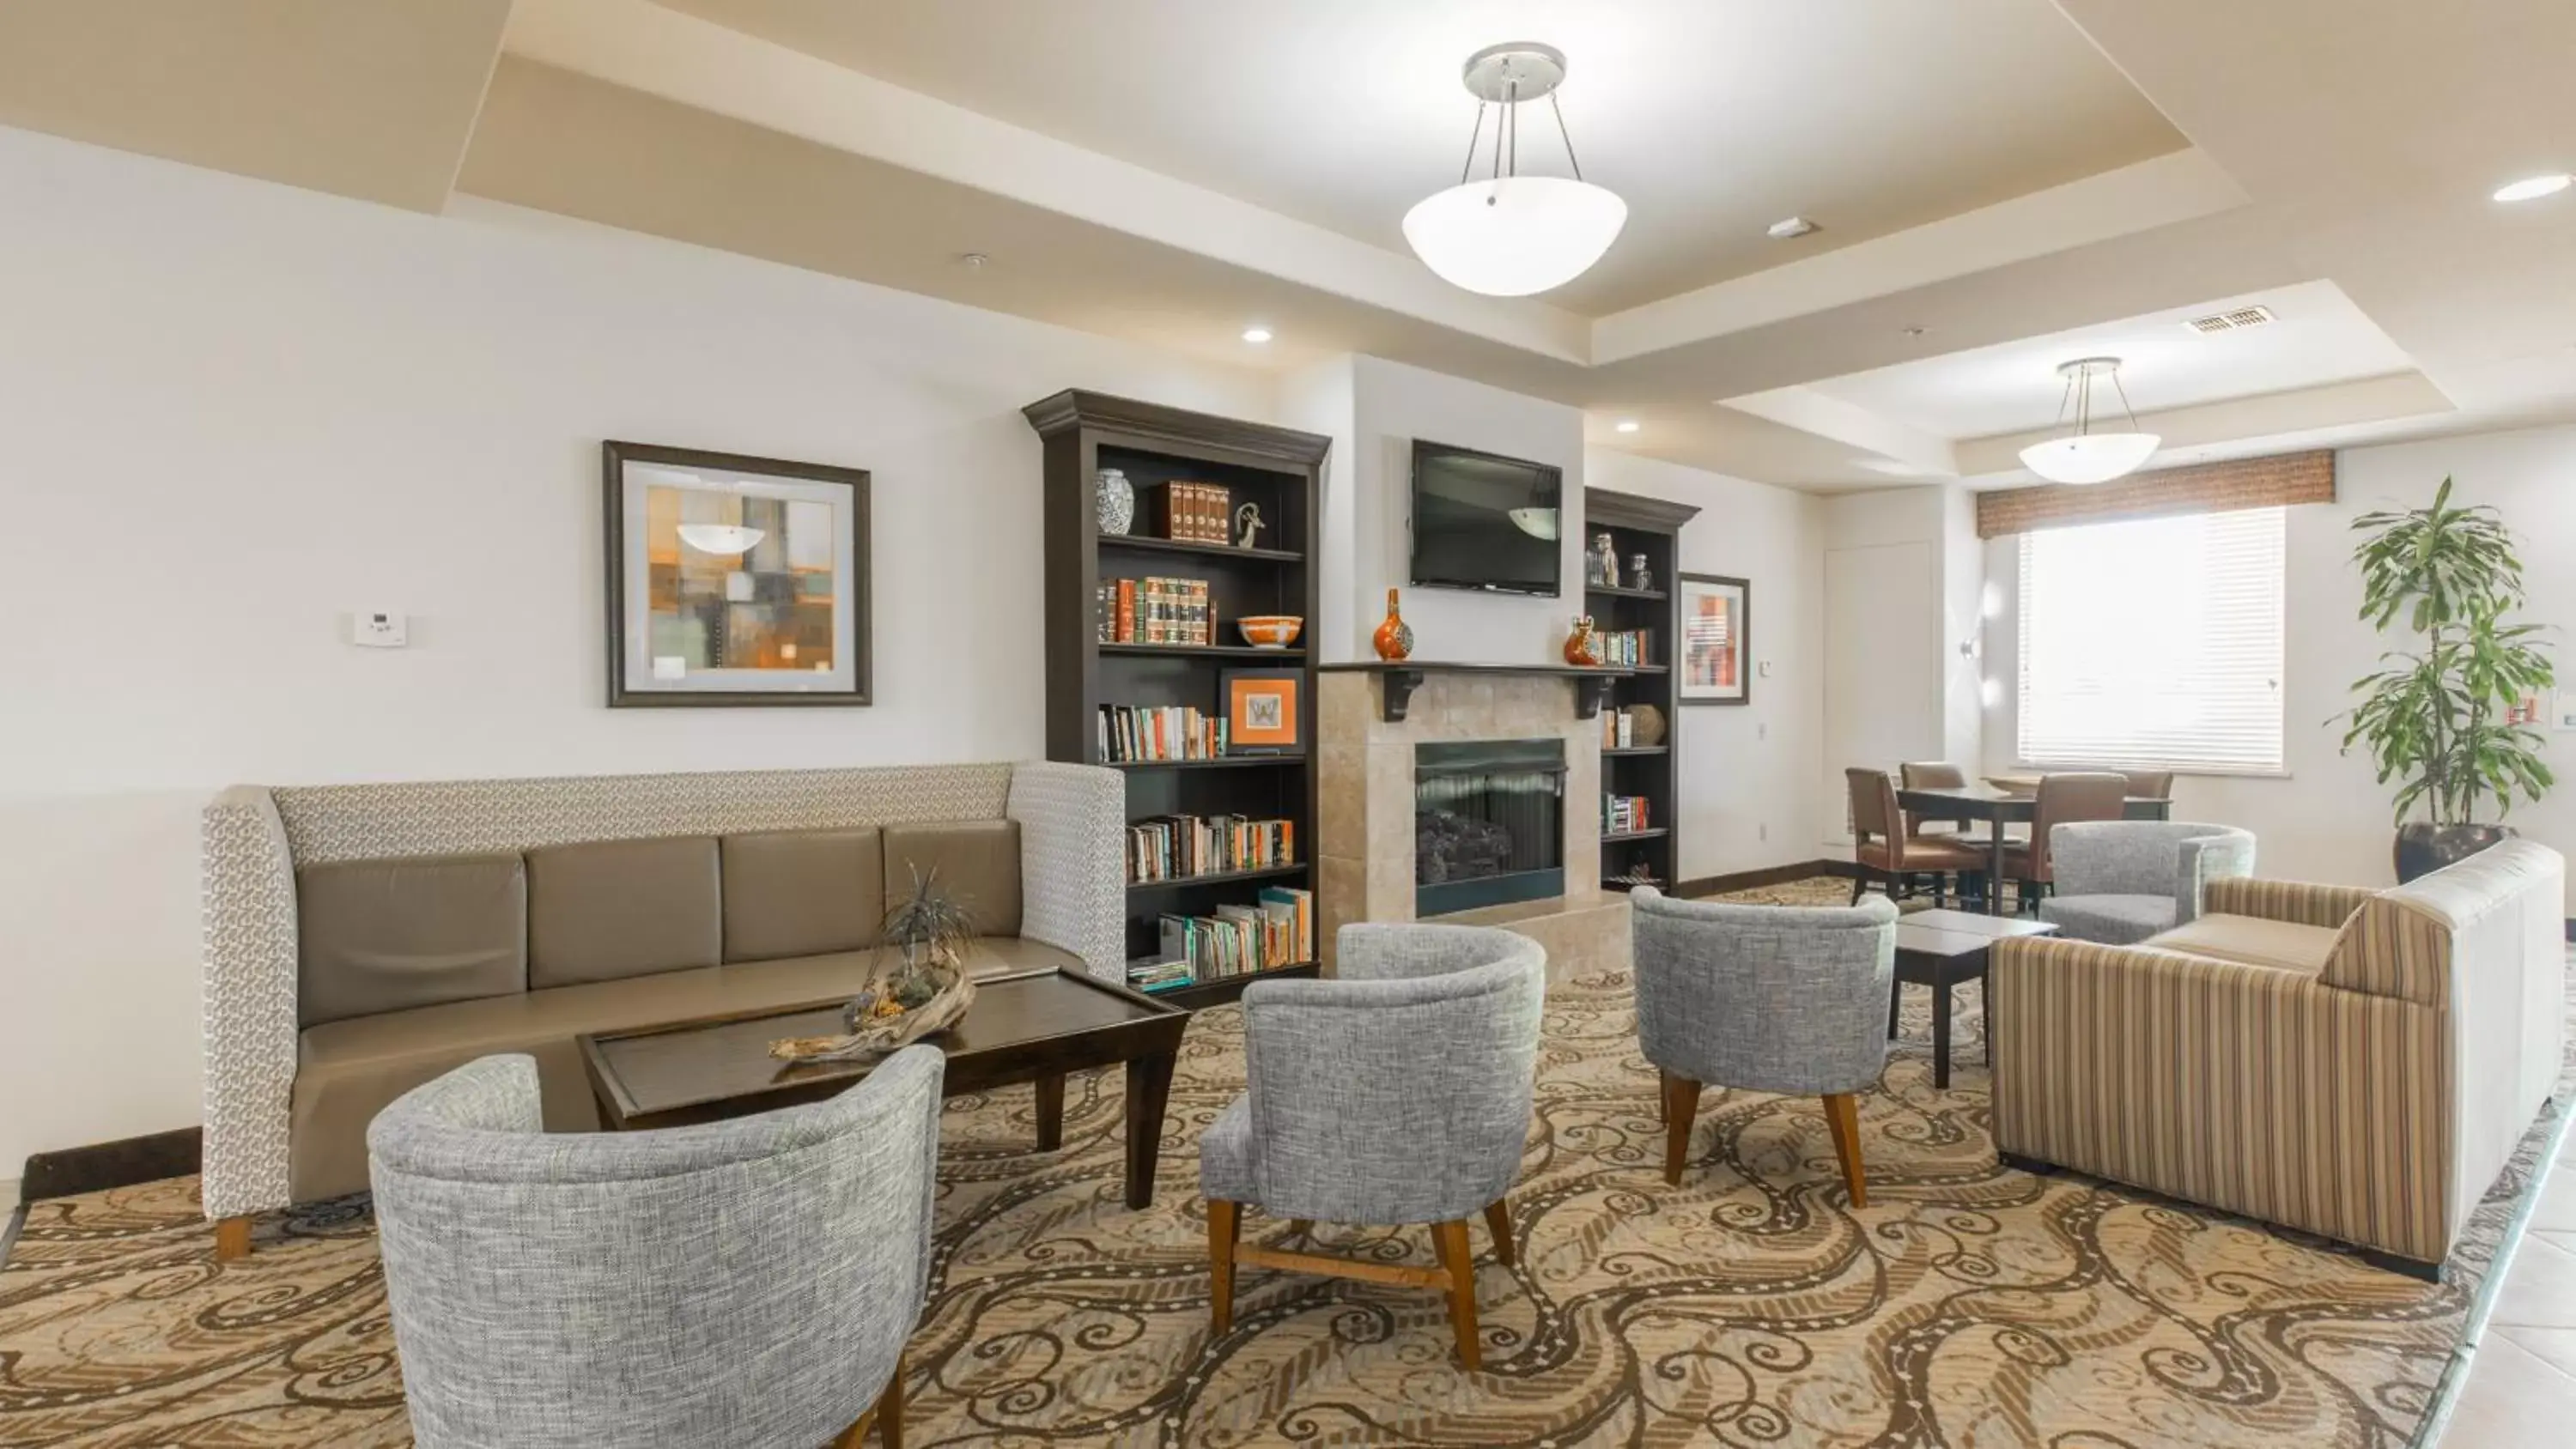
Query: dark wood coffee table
x=1940, y=949
x=1034, y=1027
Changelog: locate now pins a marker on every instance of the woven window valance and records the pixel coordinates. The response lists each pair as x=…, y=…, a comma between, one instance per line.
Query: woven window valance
x=2200, y=488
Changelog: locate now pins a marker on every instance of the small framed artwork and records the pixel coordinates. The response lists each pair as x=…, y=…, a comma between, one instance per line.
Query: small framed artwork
x=1262, y=713
x=734, y=580
x=1716, y=643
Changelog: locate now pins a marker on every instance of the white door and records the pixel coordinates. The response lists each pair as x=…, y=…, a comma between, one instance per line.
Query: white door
x=1882, y=668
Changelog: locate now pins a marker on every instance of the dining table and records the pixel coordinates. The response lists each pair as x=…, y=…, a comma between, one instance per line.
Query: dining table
x=1999, y=808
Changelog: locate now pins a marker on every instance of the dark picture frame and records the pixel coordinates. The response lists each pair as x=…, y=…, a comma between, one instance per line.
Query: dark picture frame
x=638, y=679
x=1712, y=670
x=1293, y=717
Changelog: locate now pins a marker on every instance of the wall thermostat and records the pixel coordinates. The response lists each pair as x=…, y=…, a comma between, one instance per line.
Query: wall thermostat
x=379, y=629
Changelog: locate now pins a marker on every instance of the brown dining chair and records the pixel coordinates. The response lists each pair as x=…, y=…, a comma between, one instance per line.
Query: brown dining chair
x=2150, y=784
x=1942, y=775
x=1886, y=850
x=2063, y=800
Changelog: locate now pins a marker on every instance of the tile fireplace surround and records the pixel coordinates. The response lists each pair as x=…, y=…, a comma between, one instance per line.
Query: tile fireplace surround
x=1365, y=835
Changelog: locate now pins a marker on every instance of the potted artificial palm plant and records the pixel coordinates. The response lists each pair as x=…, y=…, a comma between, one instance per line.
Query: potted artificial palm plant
x=2443, y=720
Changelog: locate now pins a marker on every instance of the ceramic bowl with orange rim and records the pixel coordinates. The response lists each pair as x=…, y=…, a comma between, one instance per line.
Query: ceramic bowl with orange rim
x=1270, y=631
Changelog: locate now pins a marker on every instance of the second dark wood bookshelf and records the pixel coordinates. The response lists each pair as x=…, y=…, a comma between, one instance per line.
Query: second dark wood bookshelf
x=1652, y=527
x=1280, y=471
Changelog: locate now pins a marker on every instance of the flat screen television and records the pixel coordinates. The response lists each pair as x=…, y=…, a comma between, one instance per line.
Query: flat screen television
x=1483, y=522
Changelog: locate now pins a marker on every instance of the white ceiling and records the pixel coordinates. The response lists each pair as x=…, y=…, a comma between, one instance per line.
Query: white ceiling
x=2013, y=387
x=2003, y=184
x=1711, y=118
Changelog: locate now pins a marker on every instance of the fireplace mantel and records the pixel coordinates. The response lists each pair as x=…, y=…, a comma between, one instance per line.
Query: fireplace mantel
x=1403, y=676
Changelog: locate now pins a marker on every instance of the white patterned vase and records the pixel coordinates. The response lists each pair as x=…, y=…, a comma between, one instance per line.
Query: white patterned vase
x=1117, y=502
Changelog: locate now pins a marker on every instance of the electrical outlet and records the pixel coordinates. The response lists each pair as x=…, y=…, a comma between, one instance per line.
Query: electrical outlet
x=379, y=629
x=1762, y=729
x=1763, y=831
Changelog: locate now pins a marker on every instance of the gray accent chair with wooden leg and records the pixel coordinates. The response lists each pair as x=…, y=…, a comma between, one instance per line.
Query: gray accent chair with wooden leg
x=1782, y=999
x=743, y=1282
x=1397, y=1093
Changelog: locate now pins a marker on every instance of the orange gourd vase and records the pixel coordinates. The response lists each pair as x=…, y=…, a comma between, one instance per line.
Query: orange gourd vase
x=1394, y=638
x=1580, y=648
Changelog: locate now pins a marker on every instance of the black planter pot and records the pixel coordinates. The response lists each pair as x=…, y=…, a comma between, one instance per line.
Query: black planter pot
x=2423, y=848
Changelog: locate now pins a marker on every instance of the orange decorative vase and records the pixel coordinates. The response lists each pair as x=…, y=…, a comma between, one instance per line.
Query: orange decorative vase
x=1394, y=638
x=1579, y=646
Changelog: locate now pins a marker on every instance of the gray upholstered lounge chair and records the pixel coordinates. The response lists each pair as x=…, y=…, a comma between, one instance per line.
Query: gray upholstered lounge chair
x=2121, y=881
x=1784, y=999
x=749, y=1282
x=1397, y=1093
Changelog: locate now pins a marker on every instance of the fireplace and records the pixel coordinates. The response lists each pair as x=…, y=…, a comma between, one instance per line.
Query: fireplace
x=1488, y=824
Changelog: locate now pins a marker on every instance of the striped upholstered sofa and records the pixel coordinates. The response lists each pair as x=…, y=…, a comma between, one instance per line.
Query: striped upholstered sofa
x=363, y=939
x=2356, y=1063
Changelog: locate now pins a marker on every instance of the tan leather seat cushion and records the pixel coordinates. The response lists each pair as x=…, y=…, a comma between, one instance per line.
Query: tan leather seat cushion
x=348, y=1071
x=978, y=862
x=2253, y=941
x=609, y=909
x=389, y=935
x=802, y=893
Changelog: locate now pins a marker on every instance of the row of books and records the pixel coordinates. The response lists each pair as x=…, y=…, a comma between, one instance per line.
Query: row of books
x=1197, y=512
x=1618, y=729
x=1175, y=847
x=1279, y=930
x=1131, y=732
x=1624, y=814
x=1625, y=648
x=1156, y=610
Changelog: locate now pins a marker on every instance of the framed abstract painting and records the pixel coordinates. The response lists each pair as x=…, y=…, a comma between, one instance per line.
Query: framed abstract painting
x=734, y=580
x=1715, y=641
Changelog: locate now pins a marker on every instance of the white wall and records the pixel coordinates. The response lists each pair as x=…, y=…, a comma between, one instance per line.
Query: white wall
x=2328, y=820
x=1747, y=801
x=1395, y=404
x=230, y=413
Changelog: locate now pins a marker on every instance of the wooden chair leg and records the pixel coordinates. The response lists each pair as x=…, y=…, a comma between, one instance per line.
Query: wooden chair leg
x=1842, y=1115
x=1681, y=1104
x=1449, y=1241
x=1498, y=1221
x=1225, y=1226
x=232, y=1239
x=1301, y=1227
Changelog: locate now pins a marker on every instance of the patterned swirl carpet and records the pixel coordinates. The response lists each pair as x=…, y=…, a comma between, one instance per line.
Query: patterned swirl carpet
x=1967, y=1305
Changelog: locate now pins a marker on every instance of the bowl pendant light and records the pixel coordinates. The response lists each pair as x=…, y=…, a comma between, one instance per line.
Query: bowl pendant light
x=2085, y=456
x=1510, y=235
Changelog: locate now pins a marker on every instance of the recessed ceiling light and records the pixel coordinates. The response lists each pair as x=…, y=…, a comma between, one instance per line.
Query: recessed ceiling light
x=1256, y=334
x=1792, y=227
x=1627, y=425
x=2532, y=188
x=1891, y=467
x=972, y=261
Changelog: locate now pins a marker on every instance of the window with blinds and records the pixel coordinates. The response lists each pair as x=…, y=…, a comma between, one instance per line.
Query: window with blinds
x=2154, y=643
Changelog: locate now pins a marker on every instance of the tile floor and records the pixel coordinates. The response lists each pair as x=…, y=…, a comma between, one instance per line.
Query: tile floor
x=2521, y=1392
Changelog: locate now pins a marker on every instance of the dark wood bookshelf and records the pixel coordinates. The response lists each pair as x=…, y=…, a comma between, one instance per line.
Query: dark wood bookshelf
x=1652, y=527
x=1276, y=468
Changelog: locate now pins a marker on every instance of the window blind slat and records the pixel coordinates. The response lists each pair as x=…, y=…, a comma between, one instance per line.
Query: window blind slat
x=2154, y=643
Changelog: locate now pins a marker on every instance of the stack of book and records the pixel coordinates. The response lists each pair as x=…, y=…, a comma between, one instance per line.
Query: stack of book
x=1132, y=732
x=1624, y=814
x=1197, y=512
x=1240, y=940
x=1158, y=973
x=1156, y=611
x=1618, y=729
x=1625, y=648
x=1173, y=847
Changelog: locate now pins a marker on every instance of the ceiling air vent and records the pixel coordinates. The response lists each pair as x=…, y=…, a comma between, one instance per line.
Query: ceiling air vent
x=2236, y=321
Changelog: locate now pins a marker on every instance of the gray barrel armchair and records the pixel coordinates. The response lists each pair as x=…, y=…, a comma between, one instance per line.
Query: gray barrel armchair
x=1397, y=1093
x=2121, y=881
x=1783, y=999
x=749, y=1282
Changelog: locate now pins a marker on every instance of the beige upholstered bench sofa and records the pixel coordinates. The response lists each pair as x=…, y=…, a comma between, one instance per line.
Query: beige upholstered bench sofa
x=2356, y=1063
x=363, y=939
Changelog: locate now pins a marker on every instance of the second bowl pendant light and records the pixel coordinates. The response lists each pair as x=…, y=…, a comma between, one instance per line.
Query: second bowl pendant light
x=1509, y=235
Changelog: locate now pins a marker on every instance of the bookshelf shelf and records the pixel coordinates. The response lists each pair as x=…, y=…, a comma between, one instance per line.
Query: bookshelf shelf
x=1136, y=544
x=1216, y=878
x=1275, y=469
x=1652, y=527
x=1224, y=990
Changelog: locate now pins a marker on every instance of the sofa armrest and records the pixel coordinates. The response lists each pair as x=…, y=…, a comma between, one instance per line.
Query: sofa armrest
x=1073, y=876
x=249, y=983
x=2250, y=1089
x=2297, y=902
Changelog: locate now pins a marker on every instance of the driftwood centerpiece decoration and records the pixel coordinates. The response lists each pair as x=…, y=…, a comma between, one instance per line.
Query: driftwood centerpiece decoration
x=926, y=993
